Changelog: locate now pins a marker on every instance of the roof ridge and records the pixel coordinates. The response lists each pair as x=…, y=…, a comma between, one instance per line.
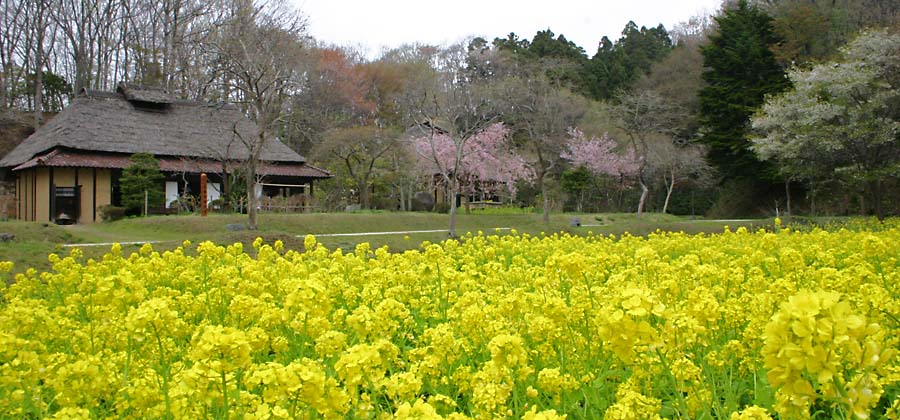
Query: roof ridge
x=105, y=94
x=317, y=168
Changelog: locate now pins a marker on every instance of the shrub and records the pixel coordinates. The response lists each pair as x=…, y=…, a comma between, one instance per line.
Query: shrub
x=111, y=213
x=442, y=207
x=142, y=177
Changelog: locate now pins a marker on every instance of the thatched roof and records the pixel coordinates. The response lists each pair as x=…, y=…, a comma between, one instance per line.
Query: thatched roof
x=68, y=158
x=108, y=122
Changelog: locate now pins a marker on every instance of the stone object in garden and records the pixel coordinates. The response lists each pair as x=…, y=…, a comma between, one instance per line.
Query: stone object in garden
x=422, y=201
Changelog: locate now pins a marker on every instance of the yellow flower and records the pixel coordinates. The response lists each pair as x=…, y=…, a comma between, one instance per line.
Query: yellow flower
x=403, y=386
x=631, y=405
x=752, y=413
x=420, y=410
x=533, y=414
x=552, y=381
x=73, y=413
x=508, y=351
x=815, y=347
x=219, y=349
x=487, y=326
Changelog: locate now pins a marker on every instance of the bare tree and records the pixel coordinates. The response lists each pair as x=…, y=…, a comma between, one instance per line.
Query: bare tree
x=402, y=174
x=338, y=93
x=678, y=163
x=257, y=52
x=162, y=40
x=12, y=21
x=87, y=29
x=41, y=23
x=96, y=43
x=543, y=113
x=643, y=115
x=358, y=149
x=445, y=102
x=23, y=46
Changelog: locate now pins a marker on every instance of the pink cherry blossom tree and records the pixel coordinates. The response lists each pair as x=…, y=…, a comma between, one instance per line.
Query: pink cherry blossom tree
x=600, y=157
x=484, y=162
x=450, y=109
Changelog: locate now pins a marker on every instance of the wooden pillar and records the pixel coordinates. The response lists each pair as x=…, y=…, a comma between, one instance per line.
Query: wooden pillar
x=19, y=197
x=52, y=197
x=94, y=193
x=77, y=215
x=34, y=194
x=203, y=207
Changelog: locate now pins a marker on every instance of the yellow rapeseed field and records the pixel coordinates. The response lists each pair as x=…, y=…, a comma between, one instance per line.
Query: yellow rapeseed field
x=740, y=325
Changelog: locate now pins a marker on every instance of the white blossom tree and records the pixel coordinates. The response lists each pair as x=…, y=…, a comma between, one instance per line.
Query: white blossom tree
x=841, y=121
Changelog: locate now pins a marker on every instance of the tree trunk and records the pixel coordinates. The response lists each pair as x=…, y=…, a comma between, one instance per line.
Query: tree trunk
x=363, y=194
x=545, y=216
x=670, y=187
x=787, y=194
x=81, y=81
x=252, y=199
x=226, y=190
x=38, y=92
x=454, y=190
x=645, y=192
x=169, y=58
x=38, y=69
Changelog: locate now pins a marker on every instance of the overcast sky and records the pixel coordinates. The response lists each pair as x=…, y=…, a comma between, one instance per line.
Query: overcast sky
x=375, y=24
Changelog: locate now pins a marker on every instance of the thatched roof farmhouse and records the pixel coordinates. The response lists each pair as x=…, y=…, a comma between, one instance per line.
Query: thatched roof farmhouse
x=72, y=163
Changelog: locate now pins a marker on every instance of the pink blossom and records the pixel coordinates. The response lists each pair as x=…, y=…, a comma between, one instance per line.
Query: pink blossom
x=599, y=155
x=487, y=160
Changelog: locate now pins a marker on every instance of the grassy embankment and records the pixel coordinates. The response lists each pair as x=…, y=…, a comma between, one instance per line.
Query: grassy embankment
x=35, y=240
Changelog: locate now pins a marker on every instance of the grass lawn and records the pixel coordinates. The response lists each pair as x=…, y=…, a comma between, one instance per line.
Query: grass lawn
x=35, y=240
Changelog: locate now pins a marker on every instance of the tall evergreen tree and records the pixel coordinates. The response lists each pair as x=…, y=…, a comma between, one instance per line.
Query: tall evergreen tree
x=563, y=60
x=607, y=71
x=142, y=179
x=741, y=71
x=544, y=45
x=616, y=66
